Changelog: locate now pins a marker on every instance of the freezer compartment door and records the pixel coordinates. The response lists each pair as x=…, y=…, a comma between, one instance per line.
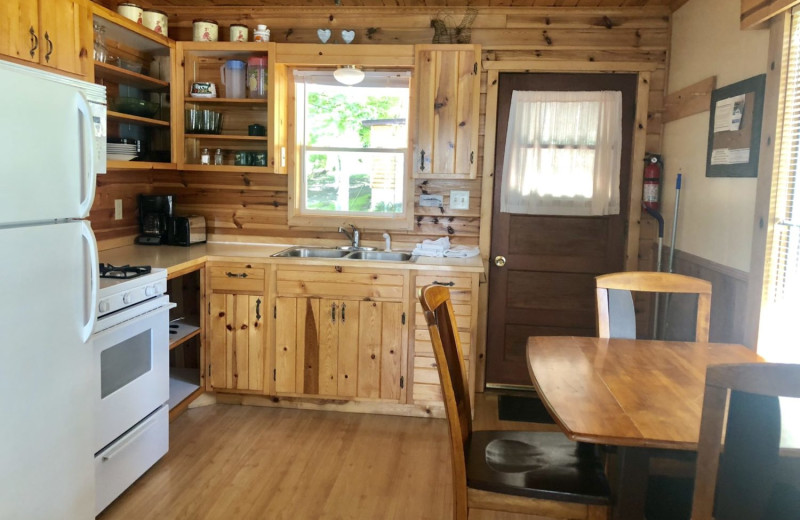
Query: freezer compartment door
x=47, y=146
x=46, y=453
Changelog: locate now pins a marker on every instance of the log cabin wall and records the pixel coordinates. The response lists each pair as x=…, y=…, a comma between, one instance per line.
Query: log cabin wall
x=253, y=207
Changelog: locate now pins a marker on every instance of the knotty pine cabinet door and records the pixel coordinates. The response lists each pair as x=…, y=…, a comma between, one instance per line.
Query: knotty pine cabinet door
x=236, y=332
x=448, y=100
x=46, y=32
x=339, y=348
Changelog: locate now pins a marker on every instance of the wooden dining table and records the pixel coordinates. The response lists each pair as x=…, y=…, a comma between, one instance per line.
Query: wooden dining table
x=643, y=396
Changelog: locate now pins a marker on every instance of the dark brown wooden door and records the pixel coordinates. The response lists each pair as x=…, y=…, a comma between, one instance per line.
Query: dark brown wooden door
x=546, y=286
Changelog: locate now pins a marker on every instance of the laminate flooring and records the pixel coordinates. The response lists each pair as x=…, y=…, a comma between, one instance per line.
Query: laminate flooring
x=249, y=462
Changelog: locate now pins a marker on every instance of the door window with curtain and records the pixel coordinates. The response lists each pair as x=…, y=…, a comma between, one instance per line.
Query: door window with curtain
x=779, y=329
x=562, y=154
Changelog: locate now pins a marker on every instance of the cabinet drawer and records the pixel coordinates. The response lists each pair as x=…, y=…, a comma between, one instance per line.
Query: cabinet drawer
x=126, y=459
x=236, y=279
x=460, y=286
x=340, y=282
x=424, y=347
x=426, y=380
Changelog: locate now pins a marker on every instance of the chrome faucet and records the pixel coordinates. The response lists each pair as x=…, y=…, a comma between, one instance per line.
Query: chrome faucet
x=354, y=238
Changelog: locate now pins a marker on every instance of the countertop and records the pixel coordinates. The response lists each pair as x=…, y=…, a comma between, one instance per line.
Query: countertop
x=177, y=259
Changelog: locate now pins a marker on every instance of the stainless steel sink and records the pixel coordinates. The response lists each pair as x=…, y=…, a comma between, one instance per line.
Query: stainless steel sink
x=311, y=252
x=347, y=254
x=388, y=256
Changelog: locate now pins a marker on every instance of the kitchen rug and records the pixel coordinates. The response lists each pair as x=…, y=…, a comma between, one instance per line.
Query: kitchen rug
x=522, y=409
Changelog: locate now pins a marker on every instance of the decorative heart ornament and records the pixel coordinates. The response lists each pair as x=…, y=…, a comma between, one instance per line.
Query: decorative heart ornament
x=348, y=36
x=324, y=35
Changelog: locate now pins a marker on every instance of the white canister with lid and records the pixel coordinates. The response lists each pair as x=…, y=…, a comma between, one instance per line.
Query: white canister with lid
x=130, y=11
x=156, y=21
x=205, y=31
x=261, y=34
x=238, y=32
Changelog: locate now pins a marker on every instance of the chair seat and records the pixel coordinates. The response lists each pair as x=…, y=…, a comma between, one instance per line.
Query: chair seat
x=539, y=465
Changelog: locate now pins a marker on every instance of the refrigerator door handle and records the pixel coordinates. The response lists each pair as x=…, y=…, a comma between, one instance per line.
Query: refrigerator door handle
x=87, y=176
x=90, y=299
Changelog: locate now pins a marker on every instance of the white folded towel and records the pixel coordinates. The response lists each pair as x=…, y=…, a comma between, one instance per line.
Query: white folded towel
x=462, y=252
x=434, y=248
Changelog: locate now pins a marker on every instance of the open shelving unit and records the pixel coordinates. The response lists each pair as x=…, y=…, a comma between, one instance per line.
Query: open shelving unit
x=201, y=62
x=136, y=44
x=186, y=354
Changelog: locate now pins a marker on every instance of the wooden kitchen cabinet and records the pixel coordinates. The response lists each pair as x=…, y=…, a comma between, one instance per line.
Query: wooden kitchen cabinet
x=448, y=98
x=201, y=62
x=426, y=388
x=46, y=32
x=350, y=346
x=237, y=311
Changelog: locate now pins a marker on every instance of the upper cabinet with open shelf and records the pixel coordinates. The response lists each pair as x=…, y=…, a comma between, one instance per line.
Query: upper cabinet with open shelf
x=245, y=120
x=136, y=65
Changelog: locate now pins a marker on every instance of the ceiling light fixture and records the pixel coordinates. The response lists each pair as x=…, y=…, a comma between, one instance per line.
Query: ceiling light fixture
x=348, y=75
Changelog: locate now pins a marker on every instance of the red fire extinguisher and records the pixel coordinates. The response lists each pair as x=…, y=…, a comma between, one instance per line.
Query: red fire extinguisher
x=652, y=182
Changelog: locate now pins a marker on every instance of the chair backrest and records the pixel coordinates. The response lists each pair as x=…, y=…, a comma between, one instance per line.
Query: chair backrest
x=449, y=356
x=651, y=282
x=750, y=480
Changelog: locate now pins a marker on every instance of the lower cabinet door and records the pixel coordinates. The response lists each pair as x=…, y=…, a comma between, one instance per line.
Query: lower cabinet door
x=236, y=342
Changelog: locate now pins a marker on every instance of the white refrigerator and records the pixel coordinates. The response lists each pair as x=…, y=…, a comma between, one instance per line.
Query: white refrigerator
x=52, y=144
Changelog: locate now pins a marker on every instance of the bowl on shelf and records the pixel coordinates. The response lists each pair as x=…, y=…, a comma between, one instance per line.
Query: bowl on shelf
x=135, y=107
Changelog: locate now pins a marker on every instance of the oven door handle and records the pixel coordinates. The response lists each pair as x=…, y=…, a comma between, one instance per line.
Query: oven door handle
x=98, y=337
x=90, y=298
x=135, y=434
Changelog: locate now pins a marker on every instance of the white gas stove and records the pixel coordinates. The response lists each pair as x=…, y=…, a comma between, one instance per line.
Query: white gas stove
x=119, y=299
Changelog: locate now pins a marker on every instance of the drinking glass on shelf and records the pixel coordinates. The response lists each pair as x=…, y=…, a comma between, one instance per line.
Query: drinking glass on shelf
x=100, y=49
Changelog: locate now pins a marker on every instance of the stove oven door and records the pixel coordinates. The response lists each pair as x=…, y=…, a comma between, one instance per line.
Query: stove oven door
x=131, y=367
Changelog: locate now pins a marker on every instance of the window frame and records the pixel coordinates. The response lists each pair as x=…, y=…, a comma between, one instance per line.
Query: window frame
x=298, y=216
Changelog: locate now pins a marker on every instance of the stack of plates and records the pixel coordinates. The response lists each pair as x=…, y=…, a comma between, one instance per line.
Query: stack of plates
x=123, y=149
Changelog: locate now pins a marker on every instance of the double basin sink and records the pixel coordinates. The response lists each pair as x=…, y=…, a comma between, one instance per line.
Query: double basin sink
x=346, y=253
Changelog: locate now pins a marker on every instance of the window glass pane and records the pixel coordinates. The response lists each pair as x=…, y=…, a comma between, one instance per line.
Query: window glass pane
x=354, y=181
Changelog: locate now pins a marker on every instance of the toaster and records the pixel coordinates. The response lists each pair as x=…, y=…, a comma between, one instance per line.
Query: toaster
x=185, y=231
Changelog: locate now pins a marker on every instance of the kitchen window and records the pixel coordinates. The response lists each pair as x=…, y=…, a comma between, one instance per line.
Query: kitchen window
x=352, y=142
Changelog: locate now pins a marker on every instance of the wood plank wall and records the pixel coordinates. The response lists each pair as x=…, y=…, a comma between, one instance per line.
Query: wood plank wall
x=253, y=206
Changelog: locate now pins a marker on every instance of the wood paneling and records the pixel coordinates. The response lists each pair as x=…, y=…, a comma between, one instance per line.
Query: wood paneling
x=253, y=206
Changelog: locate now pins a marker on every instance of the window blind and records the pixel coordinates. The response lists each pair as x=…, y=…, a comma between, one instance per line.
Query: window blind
x=780, y=318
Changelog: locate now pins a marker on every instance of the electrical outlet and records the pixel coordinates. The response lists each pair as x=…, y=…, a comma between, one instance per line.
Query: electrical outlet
x=459, y=199
x=117, y=209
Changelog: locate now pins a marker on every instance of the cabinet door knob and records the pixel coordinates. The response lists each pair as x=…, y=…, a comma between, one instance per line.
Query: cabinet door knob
x=34, y=42
x=499, y=261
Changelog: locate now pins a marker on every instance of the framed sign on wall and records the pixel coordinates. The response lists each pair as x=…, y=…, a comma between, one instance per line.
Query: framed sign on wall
x=734, y=129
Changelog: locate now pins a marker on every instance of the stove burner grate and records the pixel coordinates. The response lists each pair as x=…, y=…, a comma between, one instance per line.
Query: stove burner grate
x=123, y=272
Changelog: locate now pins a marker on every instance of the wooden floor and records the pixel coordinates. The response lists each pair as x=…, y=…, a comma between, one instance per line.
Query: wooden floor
x=246, y=462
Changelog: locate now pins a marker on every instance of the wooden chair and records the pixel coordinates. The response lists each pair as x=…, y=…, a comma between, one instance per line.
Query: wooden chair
x=615, y=318
x=751, y=479
x=539, y=473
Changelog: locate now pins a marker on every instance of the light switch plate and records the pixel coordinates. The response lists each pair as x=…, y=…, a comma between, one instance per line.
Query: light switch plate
x=433, y=201
x=117, y=209
x=459, y=199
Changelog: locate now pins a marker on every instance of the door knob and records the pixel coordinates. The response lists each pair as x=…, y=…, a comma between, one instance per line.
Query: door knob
x=499, y=261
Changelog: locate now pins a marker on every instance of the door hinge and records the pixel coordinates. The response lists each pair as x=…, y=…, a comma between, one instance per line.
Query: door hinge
x=403, y=319
x=209, y=371
x=274, y=374
x=209, y=308
x=275, y=312
x=402, y=381
x=475, y=68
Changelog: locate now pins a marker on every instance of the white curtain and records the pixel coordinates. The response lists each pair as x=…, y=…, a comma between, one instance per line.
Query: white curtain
x=562, y=153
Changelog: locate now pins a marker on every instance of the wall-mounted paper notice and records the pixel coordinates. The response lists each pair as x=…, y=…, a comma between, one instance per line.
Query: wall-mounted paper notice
x=730, y=156
x=728, y=115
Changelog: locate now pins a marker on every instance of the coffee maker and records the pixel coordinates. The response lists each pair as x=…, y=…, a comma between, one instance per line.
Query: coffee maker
x=155, y=213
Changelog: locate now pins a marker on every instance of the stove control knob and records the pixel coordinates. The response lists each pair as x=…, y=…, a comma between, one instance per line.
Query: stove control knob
x=150, y=290
x=104, y=306
x=126, y=298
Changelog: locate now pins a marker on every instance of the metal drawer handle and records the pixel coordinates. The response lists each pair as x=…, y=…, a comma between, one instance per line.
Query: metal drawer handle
x=49, y=47
x=236, y=275
x=422, y=160
x=444, y=284
x=34, y=42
